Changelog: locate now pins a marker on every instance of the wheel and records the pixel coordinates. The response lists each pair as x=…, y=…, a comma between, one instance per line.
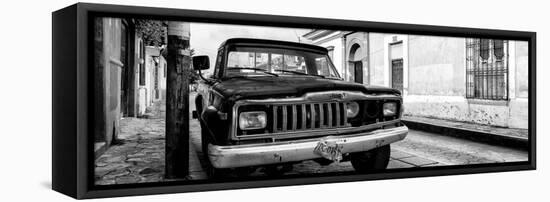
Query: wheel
x=372, y=160
x=205, y=140
x=241, y=172
x=210, y=170
x=204, y=131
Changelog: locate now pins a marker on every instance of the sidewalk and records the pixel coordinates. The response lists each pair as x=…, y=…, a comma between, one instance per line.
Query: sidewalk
x=509, y=137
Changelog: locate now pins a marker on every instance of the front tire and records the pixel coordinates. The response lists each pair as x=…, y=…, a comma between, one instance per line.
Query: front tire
x=372, y=160
x=277, y=170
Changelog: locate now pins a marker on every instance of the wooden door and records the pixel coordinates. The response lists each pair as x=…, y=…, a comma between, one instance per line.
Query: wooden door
x=358, y=70
x=397, y=74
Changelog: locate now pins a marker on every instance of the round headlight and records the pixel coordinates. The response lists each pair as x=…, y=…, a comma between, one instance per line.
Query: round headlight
x=352, y=109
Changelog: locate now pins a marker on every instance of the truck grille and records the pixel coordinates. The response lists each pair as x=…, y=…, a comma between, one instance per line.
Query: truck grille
x=293, y=117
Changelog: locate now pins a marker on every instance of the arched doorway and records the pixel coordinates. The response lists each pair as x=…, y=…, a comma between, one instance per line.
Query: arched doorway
x=355, y=64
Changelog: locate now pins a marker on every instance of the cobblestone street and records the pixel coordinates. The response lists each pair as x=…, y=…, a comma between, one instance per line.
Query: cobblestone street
x=139, y=154
x=419, y=149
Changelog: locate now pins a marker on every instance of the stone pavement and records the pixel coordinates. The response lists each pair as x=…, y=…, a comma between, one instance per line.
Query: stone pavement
x=139, y=157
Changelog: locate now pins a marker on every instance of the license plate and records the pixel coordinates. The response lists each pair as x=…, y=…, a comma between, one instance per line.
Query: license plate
x=329, y=150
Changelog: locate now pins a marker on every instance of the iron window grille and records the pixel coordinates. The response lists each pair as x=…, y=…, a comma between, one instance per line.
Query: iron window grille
x=487, y=69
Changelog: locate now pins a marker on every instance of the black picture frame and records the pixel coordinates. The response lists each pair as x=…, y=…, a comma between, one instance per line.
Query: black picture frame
x=72, y=97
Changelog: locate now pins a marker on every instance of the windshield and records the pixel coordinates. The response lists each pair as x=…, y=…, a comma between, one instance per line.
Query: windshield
x=247, y=61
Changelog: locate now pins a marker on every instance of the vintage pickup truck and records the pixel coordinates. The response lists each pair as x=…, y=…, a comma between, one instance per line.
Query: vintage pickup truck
x=272, y=104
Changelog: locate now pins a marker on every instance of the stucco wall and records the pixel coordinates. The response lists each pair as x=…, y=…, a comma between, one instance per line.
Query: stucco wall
x=436, y=65
x=111, y=76
x=376, y=58
x=522, y=66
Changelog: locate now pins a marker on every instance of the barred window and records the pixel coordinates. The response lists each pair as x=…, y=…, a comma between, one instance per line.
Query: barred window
x=487, y=69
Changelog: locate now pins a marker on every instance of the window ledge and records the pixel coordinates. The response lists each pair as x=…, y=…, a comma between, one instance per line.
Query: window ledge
x=488, y=102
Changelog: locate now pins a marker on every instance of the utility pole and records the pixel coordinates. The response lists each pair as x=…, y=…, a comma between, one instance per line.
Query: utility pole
x=177, y=101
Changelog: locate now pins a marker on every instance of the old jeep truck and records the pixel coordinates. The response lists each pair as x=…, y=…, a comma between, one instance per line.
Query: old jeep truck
x=271, y=104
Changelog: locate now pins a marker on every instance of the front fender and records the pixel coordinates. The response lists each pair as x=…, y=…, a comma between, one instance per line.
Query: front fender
x=217, y=128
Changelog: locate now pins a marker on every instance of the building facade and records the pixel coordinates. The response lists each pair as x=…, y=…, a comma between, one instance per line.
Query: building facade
x=128, y=76
x=152, y=79
x=117, y=53
x=469, y=80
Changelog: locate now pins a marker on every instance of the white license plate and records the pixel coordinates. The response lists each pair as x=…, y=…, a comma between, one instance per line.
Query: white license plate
x=329, y=150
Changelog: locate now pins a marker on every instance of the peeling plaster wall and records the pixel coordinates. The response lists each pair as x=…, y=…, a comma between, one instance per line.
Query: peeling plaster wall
x=513, y=113
x=457, y=108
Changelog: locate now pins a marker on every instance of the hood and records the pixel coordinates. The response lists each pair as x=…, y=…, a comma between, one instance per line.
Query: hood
x=283, y=86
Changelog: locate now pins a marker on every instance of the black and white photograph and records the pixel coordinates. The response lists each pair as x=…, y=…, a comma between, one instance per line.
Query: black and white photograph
x=187, y=101
x=247, y=101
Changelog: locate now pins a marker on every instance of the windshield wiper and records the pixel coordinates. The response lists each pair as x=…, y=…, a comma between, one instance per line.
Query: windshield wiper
x=255, y=69
x=297, y=72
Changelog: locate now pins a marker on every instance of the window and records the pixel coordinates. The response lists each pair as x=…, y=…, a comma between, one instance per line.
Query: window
x=218, y=64
x=396, y=56
x=259, y=61
x=323, y=67
x=487, y=69
x=294, y=63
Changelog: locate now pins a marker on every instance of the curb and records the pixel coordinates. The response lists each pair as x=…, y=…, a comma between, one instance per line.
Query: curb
x=196, y=171
x=469, y=134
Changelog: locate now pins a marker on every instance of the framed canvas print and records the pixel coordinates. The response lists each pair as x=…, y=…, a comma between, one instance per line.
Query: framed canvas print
x=157, y=100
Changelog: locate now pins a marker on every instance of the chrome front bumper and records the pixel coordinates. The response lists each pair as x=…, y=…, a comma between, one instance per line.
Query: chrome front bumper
x=299, y=150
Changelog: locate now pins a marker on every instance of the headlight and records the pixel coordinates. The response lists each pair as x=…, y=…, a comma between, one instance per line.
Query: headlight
x=389, y=109
x=352, y=109
x=252, y=120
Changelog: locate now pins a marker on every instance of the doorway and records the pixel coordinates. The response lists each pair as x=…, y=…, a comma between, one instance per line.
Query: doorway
x=358, y=71
x=397, y=74
x=396, y=65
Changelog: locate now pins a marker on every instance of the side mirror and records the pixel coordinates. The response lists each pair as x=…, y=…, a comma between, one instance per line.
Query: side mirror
x=201, y=62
